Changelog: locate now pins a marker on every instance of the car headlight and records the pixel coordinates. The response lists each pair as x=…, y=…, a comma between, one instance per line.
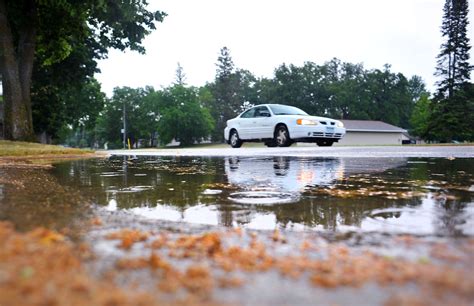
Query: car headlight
x=306, y=122
x=339, y=124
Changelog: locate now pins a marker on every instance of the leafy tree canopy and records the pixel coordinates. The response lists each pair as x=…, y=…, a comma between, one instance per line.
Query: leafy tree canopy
x=183, y=118
x=47, y=32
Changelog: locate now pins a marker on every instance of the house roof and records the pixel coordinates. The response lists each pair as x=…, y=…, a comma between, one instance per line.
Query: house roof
x=371, y=126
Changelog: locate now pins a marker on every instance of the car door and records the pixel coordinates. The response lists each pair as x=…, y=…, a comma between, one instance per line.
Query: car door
x=245, y=124
x=262, y=123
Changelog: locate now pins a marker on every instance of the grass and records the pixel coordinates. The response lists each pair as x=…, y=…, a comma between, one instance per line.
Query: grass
x=17, y=148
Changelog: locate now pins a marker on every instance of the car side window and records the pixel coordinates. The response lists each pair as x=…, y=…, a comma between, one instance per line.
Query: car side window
x=248, y=114
x=261, y=111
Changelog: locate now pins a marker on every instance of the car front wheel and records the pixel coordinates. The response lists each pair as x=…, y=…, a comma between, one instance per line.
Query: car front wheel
x=282, y=136
x=235, y=141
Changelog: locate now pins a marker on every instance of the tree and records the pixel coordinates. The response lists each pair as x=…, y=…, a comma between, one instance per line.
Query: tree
x=451, y=118
x=49, y=30
x=180, y=76
x=343, y=90
x=65, y=92
x=417, y=88
x=74, y=106
x=140, y=118
x=227, y=102
x=390, y=98
x=453, y=60
x=182, y=117
x=349, y=99
x=420, y=117
x=453, y=101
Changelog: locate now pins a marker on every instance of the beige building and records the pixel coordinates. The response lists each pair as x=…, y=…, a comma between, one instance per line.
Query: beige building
x=367, y=132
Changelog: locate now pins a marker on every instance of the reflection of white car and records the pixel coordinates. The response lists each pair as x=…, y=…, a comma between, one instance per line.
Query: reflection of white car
x=282, y=173
x=281, y=125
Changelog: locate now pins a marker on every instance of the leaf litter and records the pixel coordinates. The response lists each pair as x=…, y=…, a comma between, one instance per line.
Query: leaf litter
x=44, y=266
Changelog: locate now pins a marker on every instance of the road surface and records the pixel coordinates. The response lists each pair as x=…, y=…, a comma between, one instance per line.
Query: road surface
x=306, y=151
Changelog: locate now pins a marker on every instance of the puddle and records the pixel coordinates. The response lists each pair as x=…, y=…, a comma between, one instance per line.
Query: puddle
x=341, y=217
x=130, y=189
x=211, y=192
x=431, y=196
x=263, y=197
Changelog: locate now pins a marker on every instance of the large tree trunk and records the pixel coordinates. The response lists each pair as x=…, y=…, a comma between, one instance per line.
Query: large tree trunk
x=17, y=67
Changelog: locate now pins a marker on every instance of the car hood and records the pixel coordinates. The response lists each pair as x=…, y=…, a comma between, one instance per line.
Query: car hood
x=295, y=117
x=316, y=118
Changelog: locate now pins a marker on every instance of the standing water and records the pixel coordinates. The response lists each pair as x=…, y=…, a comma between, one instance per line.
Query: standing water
x=402, y=195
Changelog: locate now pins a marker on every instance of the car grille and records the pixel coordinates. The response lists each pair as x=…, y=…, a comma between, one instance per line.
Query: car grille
x=327, y=135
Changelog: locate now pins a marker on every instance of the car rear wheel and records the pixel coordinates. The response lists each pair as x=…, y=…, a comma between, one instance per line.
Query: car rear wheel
x=282, y=137
x=234, y=139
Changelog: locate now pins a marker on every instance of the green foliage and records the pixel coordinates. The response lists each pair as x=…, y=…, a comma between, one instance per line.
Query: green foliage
x=141, y=118
x=452, y=118
x=65, y=25
x=341, y=90
x=230, y=91
x=453, y=65
x=335, y=89
x=183, y=117
x=64, y=39
x=420, y=116
x=172, y=113
x=452, y=115
x=348, y=92
x=297, y=86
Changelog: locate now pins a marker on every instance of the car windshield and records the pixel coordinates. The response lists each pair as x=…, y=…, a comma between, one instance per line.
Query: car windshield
x=286, y=110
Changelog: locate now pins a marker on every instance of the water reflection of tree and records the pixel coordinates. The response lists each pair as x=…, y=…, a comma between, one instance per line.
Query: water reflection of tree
x=172, y=181
x=451, y=217
x=330, y=213
x=452, y=200
x=179, y=182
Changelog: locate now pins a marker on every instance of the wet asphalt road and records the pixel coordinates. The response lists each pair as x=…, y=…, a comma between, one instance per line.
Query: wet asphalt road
x=312, y=151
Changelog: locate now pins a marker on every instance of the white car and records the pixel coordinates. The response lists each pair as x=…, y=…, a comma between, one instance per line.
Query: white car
x=281, y=125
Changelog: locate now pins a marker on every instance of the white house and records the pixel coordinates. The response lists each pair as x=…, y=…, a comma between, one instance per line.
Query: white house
x=368, y=132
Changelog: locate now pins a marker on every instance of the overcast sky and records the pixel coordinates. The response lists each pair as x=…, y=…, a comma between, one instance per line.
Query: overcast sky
x=263, y=34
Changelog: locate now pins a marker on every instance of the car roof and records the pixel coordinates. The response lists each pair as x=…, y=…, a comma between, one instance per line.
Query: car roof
x=272, y=104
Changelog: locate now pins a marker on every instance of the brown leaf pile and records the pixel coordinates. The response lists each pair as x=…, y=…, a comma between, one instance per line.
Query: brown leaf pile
x=42, y=267
x=333, y=266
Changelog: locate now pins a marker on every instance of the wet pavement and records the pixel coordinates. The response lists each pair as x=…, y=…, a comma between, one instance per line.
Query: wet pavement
x=306, y=150
x=300, y=203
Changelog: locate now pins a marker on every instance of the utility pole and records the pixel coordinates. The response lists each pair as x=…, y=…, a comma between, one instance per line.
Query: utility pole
x=124, y=126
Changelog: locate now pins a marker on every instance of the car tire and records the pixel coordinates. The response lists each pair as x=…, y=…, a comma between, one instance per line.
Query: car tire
x=234, y=140
x=282, y=136
x=325, y=143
